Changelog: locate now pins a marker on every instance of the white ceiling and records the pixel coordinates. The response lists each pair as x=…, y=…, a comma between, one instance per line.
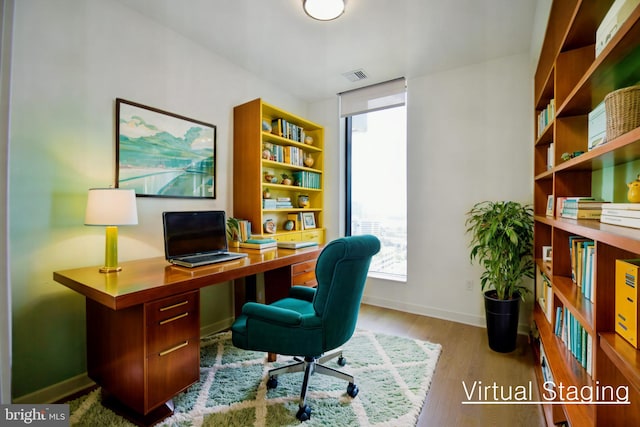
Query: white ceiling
x=276, y=40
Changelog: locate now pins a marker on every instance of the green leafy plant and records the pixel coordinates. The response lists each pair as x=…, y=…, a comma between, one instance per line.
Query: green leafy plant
x=233, y=229
x=502, y=243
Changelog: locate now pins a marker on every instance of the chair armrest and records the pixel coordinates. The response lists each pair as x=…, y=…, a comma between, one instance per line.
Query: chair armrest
x=270, y=313
x=302, y=292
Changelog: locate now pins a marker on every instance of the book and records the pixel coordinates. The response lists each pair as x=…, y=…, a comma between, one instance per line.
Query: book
x=254, y=243
x=297, y=244
x=620, y=220
x=628, y=213
x=558, y=328
x=580, y=213
x=575, y=244
x=256, y=247
x=624, y=206
x=583, y=204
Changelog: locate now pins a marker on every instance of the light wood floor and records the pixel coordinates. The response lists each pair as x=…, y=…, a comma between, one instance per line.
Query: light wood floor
x=465, y=357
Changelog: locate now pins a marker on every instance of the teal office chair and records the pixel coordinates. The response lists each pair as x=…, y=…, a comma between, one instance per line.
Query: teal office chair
x=311, y=322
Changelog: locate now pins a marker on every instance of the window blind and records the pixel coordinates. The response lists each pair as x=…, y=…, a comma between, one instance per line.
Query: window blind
x=392, y=93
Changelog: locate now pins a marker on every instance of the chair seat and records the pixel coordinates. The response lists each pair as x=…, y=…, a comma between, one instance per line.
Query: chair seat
x=305, y=338
x=312, y=322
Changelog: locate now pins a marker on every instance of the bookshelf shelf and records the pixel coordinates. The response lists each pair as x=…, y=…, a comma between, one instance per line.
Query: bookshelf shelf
x=570, y=73
x=282, y=165
x=250, y=140
x=571, y=298
x=569, y=371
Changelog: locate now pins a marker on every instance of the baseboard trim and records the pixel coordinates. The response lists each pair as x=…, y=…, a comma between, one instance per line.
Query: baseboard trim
x=218, y=326
x=466, y=319
x=58, y=391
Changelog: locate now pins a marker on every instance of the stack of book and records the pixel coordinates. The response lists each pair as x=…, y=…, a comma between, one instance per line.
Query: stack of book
x=307, y=179
x=269, y=203
x=285, y=129
x=581, y=253
x=244, y=229
x=259, y=244
x=546, y=116
x=625, y=214
x=575, y=337
x=580, y=207
x=283, y=203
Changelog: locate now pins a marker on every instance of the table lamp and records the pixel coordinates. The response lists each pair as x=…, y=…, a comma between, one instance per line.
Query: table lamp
x=111, y=207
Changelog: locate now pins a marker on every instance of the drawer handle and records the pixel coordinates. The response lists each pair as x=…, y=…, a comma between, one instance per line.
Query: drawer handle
x=622, y=317
x=630, y=300
x=622, y=326
x=171, y=319
x=172, y=349
x=174, y=305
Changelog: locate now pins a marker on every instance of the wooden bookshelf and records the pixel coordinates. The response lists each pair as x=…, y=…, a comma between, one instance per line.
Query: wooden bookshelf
x=250, y=164
x=570, y=73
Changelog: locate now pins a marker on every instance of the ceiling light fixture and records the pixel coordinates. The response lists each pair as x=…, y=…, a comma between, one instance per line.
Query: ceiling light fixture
x=323, y=10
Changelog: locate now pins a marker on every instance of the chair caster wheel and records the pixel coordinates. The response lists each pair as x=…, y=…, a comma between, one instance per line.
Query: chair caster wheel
x=342, y=361
x=272, y=382
x=352, y=390
x=304, y=413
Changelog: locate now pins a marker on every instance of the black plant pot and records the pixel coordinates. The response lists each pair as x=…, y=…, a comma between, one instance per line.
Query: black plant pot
x=502, y=321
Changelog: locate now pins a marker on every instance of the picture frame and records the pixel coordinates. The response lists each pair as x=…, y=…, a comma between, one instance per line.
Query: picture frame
x=550, y=204
x=546, y=253
x=308, y=220
x=162, y=154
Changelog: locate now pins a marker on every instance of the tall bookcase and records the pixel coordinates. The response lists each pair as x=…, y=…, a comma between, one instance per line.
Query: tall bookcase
x=570, y=74
x=259, y=150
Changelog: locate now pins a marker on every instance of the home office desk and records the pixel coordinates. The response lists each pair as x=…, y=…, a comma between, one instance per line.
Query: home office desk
x=143, y=323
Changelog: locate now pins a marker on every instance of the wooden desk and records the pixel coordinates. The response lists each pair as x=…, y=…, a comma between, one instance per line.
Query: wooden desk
x=143, y=323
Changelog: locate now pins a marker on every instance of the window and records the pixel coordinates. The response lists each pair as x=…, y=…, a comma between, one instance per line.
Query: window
x=376, y=173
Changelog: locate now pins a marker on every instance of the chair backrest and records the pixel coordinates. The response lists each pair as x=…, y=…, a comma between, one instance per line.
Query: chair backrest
x=341, y=273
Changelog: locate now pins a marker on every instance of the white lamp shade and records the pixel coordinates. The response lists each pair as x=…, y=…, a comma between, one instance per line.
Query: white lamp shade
x=323, y=10
x=111, y=206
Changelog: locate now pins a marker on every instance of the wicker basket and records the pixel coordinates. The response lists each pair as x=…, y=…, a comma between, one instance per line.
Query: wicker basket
x=622, y=109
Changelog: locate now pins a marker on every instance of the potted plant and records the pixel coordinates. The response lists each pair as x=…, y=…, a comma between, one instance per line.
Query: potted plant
x=233, y=232
x=286, y=180
x=502, y=243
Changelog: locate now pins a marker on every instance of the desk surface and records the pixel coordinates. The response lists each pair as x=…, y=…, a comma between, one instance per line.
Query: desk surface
x=144, y=280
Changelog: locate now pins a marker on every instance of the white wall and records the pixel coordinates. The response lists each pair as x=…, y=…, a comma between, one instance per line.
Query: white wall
x=71, y=59
x=6, y=27
x=469, y=139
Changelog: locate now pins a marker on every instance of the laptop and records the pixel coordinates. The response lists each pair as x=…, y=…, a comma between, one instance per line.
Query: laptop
x=195, y=238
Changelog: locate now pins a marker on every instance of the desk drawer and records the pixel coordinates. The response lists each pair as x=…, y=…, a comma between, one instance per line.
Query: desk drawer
x=304, y=274
x=315, y=235
x=171, y=371
x=171, y=321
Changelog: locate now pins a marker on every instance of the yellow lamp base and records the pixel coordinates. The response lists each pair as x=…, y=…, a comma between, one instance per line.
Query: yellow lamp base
x=111, y=251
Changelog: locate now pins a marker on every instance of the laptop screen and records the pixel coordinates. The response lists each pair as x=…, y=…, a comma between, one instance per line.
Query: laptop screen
x=193, y=232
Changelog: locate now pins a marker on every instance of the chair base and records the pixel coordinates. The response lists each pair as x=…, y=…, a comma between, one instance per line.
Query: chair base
x=310, y=366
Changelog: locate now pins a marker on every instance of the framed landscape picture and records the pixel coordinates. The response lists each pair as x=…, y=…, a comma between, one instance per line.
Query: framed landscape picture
x=163, y=154
x=308, y=220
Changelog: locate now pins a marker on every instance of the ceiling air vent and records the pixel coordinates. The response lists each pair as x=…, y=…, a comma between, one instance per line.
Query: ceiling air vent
x=355, y=76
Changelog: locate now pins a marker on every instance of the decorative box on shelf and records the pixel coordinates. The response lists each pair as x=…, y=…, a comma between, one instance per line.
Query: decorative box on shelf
x=597, y=126
x=626, y=310
x=613, y=20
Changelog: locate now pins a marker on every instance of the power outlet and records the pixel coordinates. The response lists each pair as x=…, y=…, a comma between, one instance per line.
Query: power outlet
x=469, y=285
